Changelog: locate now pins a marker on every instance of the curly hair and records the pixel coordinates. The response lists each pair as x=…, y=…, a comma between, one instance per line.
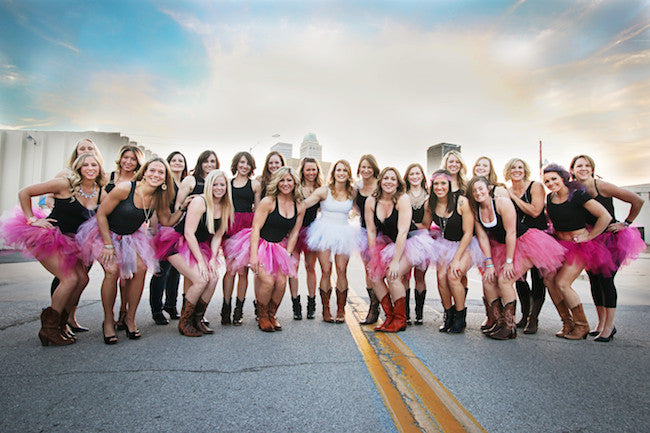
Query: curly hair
x=511, y=163
x=249, y=159
x=349, y=184
x=272, y=189
x=76, y=178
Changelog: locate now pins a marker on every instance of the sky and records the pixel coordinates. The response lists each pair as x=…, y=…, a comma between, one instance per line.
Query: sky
x=384, y=77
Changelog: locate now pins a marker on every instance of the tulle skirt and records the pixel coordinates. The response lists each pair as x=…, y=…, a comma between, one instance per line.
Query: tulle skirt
x=241, y=221
x=168, y=242
x=534, y=249
x=447, y=250
x=363, y=245
x=301, y=243
x=624, y=245
x=338, y=238
x=272, y=256
x=420, y=251
x=127, y=248
x=593, y=255
x=38, y=242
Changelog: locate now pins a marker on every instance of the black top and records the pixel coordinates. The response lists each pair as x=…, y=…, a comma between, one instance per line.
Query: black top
x=126, y=219
x=568, y=215
x=389, y=226
x=172, y=205
x=198, y=187
x=70, y=214
x=310, y=215
x=276, y=227
x=452, y=226
x=111, y=183
x=202, y=234
x=498, y=232
x=360, y=200
x=607, y=202
x=243, y=198
x=538, y=222
x=418, y=214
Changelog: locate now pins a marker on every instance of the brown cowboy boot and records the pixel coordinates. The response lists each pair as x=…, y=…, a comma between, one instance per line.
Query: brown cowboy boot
x=325, y=299
x=373, y=310
x=50, y=332
x=508, y=328
x=567, y=321
x=490, y=317
x=580, y=324
x=341, y=297
x=199, y=311
x=399, y=317
x=186, y=321
x=494, y=313
x=263, y=321
x=531, y=326
x=272, y=309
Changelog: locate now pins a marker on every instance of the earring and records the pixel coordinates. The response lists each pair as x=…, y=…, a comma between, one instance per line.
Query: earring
x=163, y=187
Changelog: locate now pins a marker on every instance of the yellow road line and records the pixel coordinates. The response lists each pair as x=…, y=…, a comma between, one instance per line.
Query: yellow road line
x=414, y=397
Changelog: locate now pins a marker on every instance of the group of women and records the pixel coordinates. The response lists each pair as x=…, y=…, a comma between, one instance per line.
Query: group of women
x=154, y=215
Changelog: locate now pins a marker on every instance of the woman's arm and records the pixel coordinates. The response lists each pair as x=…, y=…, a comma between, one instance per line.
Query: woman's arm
x=169, y=219
x=194, y=213
x=636, y=203
x=187, y=185
x=56, y=186
x=509, y=217
x=317, y=196
x=536, y=206
x=261, y=213
x=405, y=215
x=427, y=220
x=484, y=243
x=117, y=195
x=215, y=243
x=257, y=190
x=467, y=216
x=599, y=211
x=293, y=235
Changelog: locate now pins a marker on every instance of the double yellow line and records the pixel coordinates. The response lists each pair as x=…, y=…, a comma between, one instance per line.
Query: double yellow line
x=415, y=398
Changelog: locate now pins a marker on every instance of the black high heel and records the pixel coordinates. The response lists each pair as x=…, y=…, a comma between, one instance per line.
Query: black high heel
x=132, y=335
x=606, y=339
x=111, y=339
x=78, y=328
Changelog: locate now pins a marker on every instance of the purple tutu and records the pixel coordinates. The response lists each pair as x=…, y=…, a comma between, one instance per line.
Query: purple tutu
x=534, y=249
x=38, y=242
x=363, y=246
x=241, y=221
x=592, y=255
x=127, y=248
x=272, y=256
x=624, y=245
x=447, y=250
x=420, y=251
x=168, y=242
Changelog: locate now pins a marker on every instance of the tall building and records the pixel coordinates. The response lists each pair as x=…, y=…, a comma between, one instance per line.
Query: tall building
x=435, y=154
x=285, y=149
x=311, y=148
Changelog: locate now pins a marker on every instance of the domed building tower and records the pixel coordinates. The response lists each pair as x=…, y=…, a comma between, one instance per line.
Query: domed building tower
x=311, y=148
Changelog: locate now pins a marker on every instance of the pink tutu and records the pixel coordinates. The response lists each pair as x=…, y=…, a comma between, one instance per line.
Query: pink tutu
x=534, y=249
x=168, y=242
x=592, y=255
x=420, y=251
x=38, y=242
x=127, y=248
x=624, y=245
x=272, y=256
x=301, y=243
x=242, y=220
x=447, y=249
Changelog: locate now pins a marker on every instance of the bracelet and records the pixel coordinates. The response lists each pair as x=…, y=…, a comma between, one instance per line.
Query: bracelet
x=489, y=266
x=487, y=258
x=109, y=247
x=508, y=261
x=627, y=222
x=31, y=220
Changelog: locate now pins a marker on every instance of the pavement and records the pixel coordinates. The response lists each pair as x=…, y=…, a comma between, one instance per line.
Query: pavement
x=316, y=376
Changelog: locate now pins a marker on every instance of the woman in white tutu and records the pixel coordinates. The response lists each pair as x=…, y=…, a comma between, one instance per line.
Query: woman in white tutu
x=457, y=246
x=263, y=248
x=192, y=247
x=333, y=234
x=396, y=246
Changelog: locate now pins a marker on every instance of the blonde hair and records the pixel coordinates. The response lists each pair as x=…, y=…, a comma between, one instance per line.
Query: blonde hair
x=401, y=186
x=74, y=156
x=161, y=198
x=492, y=175
x=349, y=184
x=272, y=188
x=508, y=168
x=76, y=178
x=462, y=173
x=227, y=208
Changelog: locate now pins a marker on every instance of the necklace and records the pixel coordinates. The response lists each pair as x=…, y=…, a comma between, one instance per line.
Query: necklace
x=147, y=212
x=85, y=194
x=418, y=201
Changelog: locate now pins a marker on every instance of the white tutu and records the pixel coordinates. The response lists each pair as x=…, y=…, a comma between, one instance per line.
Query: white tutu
x=338, y=238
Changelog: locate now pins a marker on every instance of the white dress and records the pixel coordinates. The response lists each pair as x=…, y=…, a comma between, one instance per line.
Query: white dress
x=333, y=230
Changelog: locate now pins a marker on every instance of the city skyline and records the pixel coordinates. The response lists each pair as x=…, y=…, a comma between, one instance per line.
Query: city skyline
x=389, y=78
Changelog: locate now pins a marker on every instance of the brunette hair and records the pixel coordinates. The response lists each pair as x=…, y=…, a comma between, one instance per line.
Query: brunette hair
x=139, y=155
x=451, y=197
x=235, y=161
x=319, y=181
x=198, y=172
x=566, y=178
x=589, y=160
x=423, y=183
x=373, y=163
x=470, y=196
x=349, y=184
x=401, y=187
x=173, y=154
x=266, y=174
x=161, y=198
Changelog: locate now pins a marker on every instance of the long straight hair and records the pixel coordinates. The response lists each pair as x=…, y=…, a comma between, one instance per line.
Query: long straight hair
x=451, y=197
x=227, y=208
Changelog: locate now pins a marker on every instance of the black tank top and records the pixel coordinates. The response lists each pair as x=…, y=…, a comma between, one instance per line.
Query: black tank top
x=568, y=215
x=389, y=226
x=607, y=202
x=310, y=215
x=276, y=227
x=126, y=219
x=199, y=186
x=452, y=227
x=360, y=200
x=498, y=232
x=243, y=198
x=418, y=214
x=538, y=222
x=202, y=234
x=69, y=214
x=111, y=183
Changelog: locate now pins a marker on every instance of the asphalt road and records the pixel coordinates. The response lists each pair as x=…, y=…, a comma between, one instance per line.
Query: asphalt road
x=312, y=376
